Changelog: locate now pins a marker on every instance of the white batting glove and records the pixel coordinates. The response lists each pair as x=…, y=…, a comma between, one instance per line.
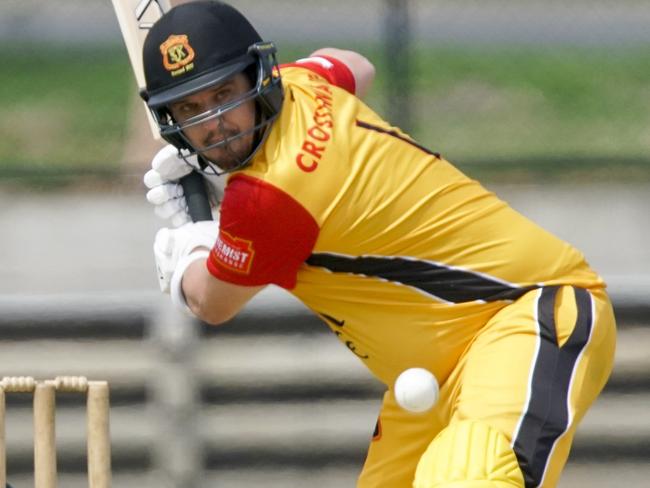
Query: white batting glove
x=165, y=191
x=176, y=249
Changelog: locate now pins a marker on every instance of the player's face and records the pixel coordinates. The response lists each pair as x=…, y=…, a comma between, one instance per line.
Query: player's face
x=226, y=126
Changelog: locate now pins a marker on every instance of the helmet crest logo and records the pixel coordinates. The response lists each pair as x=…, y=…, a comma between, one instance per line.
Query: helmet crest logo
x=177, y=54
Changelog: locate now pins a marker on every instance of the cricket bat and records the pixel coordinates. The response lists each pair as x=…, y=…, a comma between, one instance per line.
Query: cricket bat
x=135, y=18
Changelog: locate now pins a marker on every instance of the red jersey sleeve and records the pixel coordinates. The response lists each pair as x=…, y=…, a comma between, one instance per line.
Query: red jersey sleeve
x=333, y=70
x=264, y=236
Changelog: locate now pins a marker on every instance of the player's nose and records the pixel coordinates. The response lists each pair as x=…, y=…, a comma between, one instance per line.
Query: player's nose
x=214, y=133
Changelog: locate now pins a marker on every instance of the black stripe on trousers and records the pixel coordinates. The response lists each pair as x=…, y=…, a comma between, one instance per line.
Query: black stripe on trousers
x=547, y=413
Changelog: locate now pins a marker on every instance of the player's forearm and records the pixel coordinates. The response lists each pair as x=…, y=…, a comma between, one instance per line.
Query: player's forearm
x=195, y=288
x=210, y=299
x=362, y=69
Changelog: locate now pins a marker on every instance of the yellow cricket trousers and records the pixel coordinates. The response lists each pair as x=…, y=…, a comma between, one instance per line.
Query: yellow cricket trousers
x=531, y=373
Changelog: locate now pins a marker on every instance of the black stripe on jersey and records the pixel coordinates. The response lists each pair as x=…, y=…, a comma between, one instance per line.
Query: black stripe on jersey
x=366, y=125
x=448, y=284
x=376, y=435
x=547, y=414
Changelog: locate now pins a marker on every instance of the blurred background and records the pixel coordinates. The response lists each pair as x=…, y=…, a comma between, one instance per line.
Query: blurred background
x=547, y=102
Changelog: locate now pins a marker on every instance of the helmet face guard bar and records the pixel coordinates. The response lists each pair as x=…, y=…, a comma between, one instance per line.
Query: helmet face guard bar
x=268, y=96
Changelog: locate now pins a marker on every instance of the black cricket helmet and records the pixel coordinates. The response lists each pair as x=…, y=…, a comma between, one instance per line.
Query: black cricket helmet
x=199, y=45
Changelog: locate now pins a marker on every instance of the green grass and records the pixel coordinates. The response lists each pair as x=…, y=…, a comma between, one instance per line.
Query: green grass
x=492, y=110
x=534, y=104
x=63, y=109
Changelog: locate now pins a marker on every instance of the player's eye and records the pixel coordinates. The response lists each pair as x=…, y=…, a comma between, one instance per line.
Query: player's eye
x=184, y=111
x=223, y=96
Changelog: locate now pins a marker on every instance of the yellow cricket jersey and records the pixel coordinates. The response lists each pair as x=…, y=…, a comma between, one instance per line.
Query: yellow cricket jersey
x=403, y=255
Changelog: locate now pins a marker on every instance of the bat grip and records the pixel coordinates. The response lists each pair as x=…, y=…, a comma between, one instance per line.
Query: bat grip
x=196, y=197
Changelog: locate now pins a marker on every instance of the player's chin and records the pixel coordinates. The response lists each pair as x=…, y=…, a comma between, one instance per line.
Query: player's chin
x=226, y=161
x=231, y=157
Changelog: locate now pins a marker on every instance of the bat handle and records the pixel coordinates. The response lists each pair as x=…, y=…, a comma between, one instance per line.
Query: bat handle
x=196, y=197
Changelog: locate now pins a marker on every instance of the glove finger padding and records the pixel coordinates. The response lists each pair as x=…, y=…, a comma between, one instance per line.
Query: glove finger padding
x=161, y=194
x=152, y=179
x=168, y=163
x=168, y=210
x=171, y=245
x=179, y=219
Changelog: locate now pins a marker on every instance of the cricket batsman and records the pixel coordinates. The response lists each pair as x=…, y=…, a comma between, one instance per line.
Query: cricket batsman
x=410, y=262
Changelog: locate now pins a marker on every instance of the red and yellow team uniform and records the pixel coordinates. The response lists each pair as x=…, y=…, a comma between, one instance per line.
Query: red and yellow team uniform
x=413, y=264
